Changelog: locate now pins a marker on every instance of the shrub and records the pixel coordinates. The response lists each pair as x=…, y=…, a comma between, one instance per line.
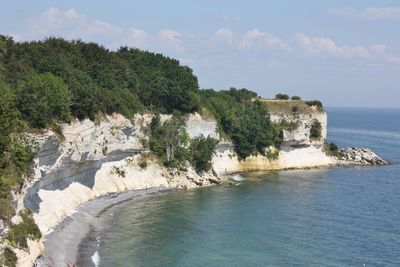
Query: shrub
x=295, y=109
x=295, y=97
x=315, y=130
x=118, y=171
x=8, y=258
x=19, y=233
x=331, y=149
x=142, y=161
x=202, y=150
x=6, y=209
x=281, y=97
x=314, y=103
x=272, y=153
x=289, y=126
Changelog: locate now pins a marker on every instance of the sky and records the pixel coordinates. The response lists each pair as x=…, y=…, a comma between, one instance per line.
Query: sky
x=345, y=53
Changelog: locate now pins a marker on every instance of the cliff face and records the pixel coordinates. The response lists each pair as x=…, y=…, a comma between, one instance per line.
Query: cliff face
x=298, y=150
x=92, y=159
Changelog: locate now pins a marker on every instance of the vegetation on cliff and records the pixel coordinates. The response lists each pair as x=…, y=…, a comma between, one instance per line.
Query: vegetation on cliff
x=46, y=82
x=170, y=142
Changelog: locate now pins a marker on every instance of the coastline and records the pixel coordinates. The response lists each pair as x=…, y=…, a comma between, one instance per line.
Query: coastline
x=66, y=243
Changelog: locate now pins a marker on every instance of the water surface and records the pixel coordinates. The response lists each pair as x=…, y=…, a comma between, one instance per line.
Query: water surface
x=331, y=217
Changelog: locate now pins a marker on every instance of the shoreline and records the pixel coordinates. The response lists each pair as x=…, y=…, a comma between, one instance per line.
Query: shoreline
x=65, y=243
x=74, y=239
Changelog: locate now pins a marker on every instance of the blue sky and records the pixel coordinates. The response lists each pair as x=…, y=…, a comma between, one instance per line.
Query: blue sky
x=346, y=53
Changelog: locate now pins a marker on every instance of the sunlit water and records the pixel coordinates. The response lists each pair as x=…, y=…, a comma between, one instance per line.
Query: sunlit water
x=330, y=217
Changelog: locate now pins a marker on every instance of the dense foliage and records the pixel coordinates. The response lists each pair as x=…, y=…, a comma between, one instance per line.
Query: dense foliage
x=201, y=150
x=170, y=142
x=282, y=97
x=243, y=119
x=315, y=130
x=97, y=79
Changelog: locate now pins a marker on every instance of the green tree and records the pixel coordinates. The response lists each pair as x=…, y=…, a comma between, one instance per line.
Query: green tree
x=169, y=140
x=41, y=98
x=295, y=97
x=202, y=149
x=281, y=97
x=8, y=116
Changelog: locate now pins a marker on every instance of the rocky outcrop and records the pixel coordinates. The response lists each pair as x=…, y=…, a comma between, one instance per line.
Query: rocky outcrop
x=359, y=156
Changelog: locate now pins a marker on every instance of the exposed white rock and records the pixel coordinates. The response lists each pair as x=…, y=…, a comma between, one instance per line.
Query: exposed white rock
x=197, y=125
x=359, y=156
x=301, y=135
x=226, y=162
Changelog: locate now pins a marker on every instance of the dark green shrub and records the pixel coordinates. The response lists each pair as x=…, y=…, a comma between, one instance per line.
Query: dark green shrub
x=315, y=130
x=331, y=149
x=202, y=150
x=295, y=97
x=282, y=97
x=314, y=103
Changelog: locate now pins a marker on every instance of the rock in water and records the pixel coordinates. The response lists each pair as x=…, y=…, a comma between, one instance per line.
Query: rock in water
x=360, y=156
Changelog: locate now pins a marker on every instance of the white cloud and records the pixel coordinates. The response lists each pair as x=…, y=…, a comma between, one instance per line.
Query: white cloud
x=171, y=39
x=67, y=23
x=323, y=45
x=137, y=37
x=256, y=38
x=72, y=25
x=369, y=13
x=224, y=34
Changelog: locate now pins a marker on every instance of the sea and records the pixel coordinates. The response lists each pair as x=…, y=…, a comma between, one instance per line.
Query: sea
x=342, y=216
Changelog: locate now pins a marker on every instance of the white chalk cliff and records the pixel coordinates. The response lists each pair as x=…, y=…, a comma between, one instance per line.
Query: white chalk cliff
x=96, y=158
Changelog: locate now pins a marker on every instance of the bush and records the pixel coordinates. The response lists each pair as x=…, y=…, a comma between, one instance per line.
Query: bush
x=8, y=258
x=142, y=161
x=272, y=153
x=19, y=233
x=331, y=149
x=281, y=97
x=6, y=209
x=202, y=150
x=315, y=130
x=289, y=126
x=295, y=97
x=314, y=103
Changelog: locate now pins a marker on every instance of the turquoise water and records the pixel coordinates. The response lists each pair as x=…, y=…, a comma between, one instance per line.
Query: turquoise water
x=330, y=217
